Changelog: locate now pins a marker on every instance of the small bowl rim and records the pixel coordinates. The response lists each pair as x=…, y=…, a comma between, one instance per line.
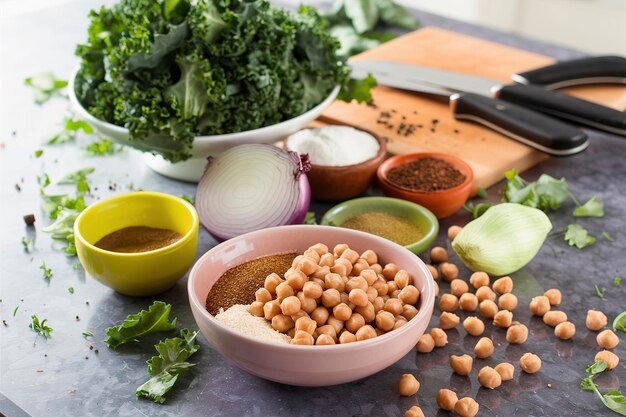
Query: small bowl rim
x=458, y=163
x=382, y=148
x=431, y=234
x=199, y=306
x=180, y=242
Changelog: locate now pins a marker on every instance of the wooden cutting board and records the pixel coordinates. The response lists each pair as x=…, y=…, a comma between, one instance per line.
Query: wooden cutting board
x=434, y=128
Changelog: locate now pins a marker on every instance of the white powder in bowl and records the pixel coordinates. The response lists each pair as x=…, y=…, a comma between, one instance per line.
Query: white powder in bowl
x=238, y=318
x=334, y=145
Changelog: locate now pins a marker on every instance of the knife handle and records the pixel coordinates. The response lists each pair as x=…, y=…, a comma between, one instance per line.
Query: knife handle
x=529, y=127
x=594, y=70
x=564, y=106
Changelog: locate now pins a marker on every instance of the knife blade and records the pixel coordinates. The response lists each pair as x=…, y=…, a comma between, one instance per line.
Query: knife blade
x=534, y=97
x=529, y=127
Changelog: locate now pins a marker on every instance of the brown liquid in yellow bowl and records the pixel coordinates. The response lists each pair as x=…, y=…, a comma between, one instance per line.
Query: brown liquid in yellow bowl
x=135, y=239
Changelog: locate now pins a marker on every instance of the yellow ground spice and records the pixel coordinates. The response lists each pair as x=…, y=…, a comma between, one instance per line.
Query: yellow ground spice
x=394, y=228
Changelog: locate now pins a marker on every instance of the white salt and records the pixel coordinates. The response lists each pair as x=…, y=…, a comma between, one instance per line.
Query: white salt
x=237, y=317
x=334, y=145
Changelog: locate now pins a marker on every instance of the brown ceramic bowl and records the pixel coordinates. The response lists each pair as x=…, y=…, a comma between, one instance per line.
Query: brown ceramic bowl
x=336, y=183
x=442, y=203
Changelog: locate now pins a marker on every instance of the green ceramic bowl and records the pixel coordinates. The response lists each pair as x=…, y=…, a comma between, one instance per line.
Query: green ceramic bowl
x=421, y=216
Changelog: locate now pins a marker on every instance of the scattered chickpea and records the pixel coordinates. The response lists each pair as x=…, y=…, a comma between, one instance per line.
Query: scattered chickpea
x=438, y=255
x=271, y=282
x=507, y=301
x=409, y=295
x=485, y=293
x=461, y=365
x=402, y=279
x=282, y=323
x=385, y=320
x=439, y=336
x=370, y=257
x=409, y=311
x=425, y=344
x=327, y=259
x=468, y=302
x=517, y=333
x=448, y=320
x=331, y=297
x=354, y=323
x=309, y=265
x=503, y=318
x=448, y=302
x=306, y=324
x=302, y=338
x=554, y=317
x=474, y=326
x=347, y=337
x=595, y=320
x=565, y=330
x=370, y=276
x=503, y=285
x=351, y=255
x=506, y=370
x=358, y=297
x=306, y=304
x=365, y=332
x=390, y=271
x=484, y=348
x=458, y=287
x=607, y=339
x=327, y=329
x=539, y=305
x=489, y=377
x=433, y=271
x=611, y=359
x=320, y=315
x=554, y=296
x=271, y=309
x=290, y=305
x=368, y=312
x=446, y=399
x=356, y=282
x=312, y=290
x=324, y=339
x=342, y=312
x=530, y=363
x=466, y=407
x=296, y=279
x=453, y=231
x=488, y=309
x=479, y=279
x=394, y=306
x=283, y=290
x=408, y=385
x=448, y=271
x=256, y=309
x=414, y=411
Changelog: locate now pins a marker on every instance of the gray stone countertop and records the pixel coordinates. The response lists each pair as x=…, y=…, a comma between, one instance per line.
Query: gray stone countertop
x=63, y=376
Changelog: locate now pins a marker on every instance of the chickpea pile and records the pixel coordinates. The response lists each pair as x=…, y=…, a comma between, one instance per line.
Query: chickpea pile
x=334, y=297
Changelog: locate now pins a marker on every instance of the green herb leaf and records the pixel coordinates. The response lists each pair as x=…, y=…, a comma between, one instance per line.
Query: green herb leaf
x=26, y=243
x=40, y=327
x=70, y=129
x=614, y=400
x=547, y=193
x=477, y=210
x=76, y=176
x=578, y=236
x=71, y=290
x=38, y=153
x=393, y=14
x=87, y=333
x=43, y=181
x=187, y=198
x=15, y=310
x=617, y=280
x=592, y=208
x=608, y=237
x=359, y=90
x=481, y=192
x=45, y=86
x=141, y=324
x=102, y=147
x=620, y=322
x=310, y=218
x=600, y=293
x=47, y=272
x=165, y=368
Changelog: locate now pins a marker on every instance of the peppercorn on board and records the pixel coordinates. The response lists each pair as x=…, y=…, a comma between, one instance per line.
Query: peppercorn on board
x=416, y=123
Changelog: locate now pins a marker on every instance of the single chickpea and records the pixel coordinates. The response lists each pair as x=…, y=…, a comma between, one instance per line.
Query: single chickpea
x=356, y=282
x=503, y=285
x=446, y=399
x=369, y=276
x=438, y=255
x=565, y=330
x=408, y=385
x=530, y=363
x=395, y=294
x=439, y=336
x=320, y=248
x=414, y=411
x=372, y=294
x=391, y=287
x=339, y=269
x=611, y=359
x=306, y=304
x=302, y=338
x=313, y=255
x=296, y=279
x=340, y=248
x=595, y=320
x=324, y=339
x=380, y=285
x=306, y=324
x=409, y=311
x=365, y=332
x=517, y=333
x=507, y=301
x=342, y=312
x=359, y=266
x=355, y=322
x=299, y=314
x=334, y=280
x=453, y=231
x=448, y=320
x=345, y=298
x=390, y=271
x=554, y=296
x=485, y=293
x=474, y=326
x=367, y=312
x=479, y=279
x=256, y=309
x=319, y=275
x=327, y=329
x=282, y=323
x=312, y=290
x=320, y=315
x=458, y=287
x=554, y=317
x=433, y=271
x=489, y=377
x=402, y=279
x=488, y=309
x=448, y=302
x=271, y=309
x=308, y=265
x=506, y=371
x=295, y=262
x=394, y=306
x=484, y=348
x=409, y=295
x=607, y=339
x=400, y=321
x=271, y=282
x=468, y=302
x=331, y=297
x=379, y=304
x=461, y=365
x=503, y=318
x=425, y=344
x=385, y=321
x=466, y=407
x=336, y=323
x=327, y=259
x=283, y=290
x=539, y=305
x=358, y=297
x=347, y=337
x=436, y=286
x=448, y=271
x=350, y=255
x=290, y=305
x=370, y=257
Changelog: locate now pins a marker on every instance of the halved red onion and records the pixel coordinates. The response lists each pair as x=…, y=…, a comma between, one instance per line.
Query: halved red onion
x=251, y=187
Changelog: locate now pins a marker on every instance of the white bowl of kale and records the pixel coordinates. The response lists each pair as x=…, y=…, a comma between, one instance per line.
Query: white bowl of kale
x=183, y=81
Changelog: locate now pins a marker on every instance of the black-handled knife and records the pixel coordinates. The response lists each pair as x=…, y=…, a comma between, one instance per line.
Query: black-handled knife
x=550, y=102
x=529, y=127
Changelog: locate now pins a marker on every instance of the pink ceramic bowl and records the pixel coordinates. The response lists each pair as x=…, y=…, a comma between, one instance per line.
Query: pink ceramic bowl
x=307, y=365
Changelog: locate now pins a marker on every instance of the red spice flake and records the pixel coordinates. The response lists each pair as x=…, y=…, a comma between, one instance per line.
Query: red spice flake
x=39, y=370
x=426, y=174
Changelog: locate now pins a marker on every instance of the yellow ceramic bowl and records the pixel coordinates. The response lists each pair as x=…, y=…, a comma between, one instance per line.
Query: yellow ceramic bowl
x=144, y=273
